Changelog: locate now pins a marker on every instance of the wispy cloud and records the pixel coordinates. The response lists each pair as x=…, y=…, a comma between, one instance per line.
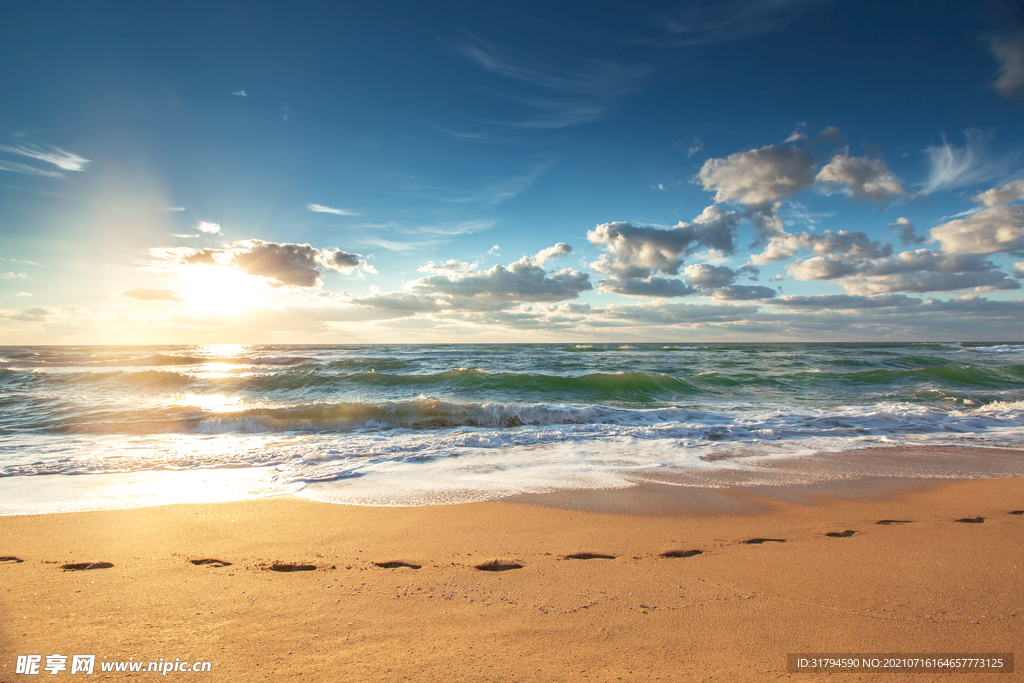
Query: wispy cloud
x=494, y=192
x=240, y=93
x=60, y=158
x=174, y=208
x=572, y=95
x=951, y=166
x=24, y=169
x=1009, y=51
x=320, y=208
x=710, y=23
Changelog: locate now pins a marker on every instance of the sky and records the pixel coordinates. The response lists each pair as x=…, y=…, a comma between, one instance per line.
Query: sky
x=397, y=172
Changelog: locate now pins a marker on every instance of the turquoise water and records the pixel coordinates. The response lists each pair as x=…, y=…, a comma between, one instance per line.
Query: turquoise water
x=403, y=424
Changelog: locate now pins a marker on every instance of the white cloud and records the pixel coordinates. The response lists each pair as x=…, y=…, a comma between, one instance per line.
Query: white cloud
x=240, y=93
x=557, y=251
x=707, y=275
x=320, y=208
x=852, y=243
x=208, y=227
x=174, y=208
x=11, y=276
x=695, y=147
x=760, y=177
x=1009, y=52
x=60, y=158
x=449, y=266
x=494, y=250
x=998, y=228
x=25, y=169
x=714, y=23
x=951, y=166
x=862, y=178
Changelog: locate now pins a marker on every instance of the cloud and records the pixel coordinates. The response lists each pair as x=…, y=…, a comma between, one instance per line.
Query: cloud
x=574, y=94
x=758, y=178
x=282, y=265
x=695, y=147
x=29, y=314
x=320, y=208
x=828, y=134
x=659, y=287
x=907, y=232
x=1009, y=52
x=492, y=289
x=703, y=23
x=494, y=250
x=661, y=313
x=951, y=166
x=998, y=228
x=240, y=93
x=174, y=208
x=864, y=179
x=707, y=275
x=637, y=252
x=60, y=158
x=25, y=169
x=845, y=243
x=557, y=251
x=743, y=292
x=1018, y=270
x=208, y=227
x=449, y=266
x=12, y=275
x=844, y=301
x=144, y=294
x=922, y=270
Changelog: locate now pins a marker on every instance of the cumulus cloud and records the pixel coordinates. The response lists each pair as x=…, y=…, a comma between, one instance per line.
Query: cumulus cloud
x=998, y=228
x=658, y=287
x=908, y=235
x=282, y=265
x=638, y=252
x=208, y=227
x=320, y=208
x=846, y=243
x=60, y=158
x=661, y=313
x=1009, y=52
x=864, y=179
x=922, y=270
x=1018, y=269
x=760, y=177
x=707, y=275
x=556, y=251
x=743, y=292
x=144, y=294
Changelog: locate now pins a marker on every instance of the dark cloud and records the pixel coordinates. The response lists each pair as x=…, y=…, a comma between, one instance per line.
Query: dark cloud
x=283, y=265
x=1009, y=52
x=844, y=301
x=908, y=235
x=661, y=287
x=743, y=292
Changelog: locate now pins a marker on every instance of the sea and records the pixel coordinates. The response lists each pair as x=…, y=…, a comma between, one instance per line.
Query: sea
x=94, y=427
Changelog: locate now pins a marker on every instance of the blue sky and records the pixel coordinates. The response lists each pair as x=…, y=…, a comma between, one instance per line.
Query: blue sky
x=784, y=169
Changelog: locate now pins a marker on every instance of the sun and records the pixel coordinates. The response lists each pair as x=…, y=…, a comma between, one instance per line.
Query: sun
x=220, y=290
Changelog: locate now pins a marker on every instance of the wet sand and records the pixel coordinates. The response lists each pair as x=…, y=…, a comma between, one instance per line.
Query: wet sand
x=658, y=582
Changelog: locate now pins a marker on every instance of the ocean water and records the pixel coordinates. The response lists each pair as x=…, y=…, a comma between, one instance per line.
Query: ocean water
x=94, y=427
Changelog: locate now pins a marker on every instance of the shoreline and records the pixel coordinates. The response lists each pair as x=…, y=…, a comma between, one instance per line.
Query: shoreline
x=593, y=596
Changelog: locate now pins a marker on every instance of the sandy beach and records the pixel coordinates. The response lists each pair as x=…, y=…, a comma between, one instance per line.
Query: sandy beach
x=288, y=589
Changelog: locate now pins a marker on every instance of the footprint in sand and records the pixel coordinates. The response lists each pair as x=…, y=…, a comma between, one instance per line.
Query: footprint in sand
x=83, y=566
x=588, y=556
x=888, y=522
x=498, y=566
x=841, y=534
x=16, y=560
x=210, y=562
x=682, y=553
x=759, y=541
x=284, y=567
x=971, y=520
x=397, y=565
